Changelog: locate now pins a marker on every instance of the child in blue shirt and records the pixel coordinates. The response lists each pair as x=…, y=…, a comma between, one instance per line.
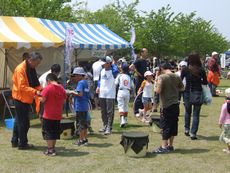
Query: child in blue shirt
x=81, y=104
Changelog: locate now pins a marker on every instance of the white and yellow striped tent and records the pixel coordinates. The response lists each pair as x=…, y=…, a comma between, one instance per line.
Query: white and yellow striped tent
x=27, y=32
x=20, y=34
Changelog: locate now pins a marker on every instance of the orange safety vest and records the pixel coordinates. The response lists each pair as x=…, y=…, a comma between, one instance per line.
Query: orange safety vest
x=21, y=90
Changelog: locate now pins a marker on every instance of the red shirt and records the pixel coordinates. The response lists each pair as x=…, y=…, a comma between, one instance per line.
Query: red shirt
x=55, y=96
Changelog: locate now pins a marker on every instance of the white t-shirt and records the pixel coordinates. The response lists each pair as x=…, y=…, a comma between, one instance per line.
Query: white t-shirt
x=178, y=73
x=42, y=79
x=107, y=84
x=148, y=89
x=97, y=66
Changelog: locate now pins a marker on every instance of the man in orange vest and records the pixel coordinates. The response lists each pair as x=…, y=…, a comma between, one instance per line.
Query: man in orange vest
x=25, y=87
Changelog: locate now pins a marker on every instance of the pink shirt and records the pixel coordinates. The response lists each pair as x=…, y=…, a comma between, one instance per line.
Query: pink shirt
x=224, y=115
x=55, y=96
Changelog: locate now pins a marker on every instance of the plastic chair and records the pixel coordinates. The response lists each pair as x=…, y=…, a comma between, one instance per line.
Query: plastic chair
x=9, y=103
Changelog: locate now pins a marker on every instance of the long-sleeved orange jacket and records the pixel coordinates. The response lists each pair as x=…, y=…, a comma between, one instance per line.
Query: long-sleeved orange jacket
x=21, y=90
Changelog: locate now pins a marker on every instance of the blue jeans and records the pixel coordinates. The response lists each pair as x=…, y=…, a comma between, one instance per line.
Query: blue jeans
x=195, y=111
x=212, y=88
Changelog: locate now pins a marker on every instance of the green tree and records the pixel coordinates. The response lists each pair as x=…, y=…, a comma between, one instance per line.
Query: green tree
x=48, y=9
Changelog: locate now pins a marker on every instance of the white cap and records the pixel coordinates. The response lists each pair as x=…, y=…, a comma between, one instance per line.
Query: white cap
x=183, y=63
x=107, y=59
x=148, y=73
x=227, y=92
x=214, y=53
x=79, y=70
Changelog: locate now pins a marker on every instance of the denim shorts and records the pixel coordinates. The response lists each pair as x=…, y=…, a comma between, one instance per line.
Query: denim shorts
x=146, y=100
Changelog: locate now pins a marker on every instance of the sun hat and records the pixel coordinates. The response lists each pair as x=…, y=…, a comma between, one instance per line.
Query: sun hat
x=227, y=92
x=107, y=59
x=79, y=70
x=183, y=63
x=214, y=53
x=148, y=73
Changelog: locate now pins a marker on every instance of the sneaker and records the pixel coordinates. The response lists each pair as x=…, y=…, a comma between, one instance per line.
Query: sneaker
x=78, y=142
x=193, y=137
x=137, y=115
x=26, y=147
x=226, y=151
x=161, y=150
x=90, y=131
x=126, y=120
x=145, y=120
x=170, y=148
x=102, y=129
x=141, y=112
x=50, y=152
x=85, y=142
x=14, y=144
x=122, y=125
x=107, y=132
x=186, y=133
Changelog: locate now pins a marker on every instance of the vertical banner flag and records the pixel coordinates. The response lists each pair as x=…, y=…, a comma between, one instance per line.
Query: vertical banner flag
x=68, y=50
x=132, y=41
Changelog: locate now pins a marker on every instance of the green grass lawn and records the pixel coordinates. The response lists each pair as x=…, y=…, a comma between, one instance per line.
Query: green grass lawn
x=105, y=154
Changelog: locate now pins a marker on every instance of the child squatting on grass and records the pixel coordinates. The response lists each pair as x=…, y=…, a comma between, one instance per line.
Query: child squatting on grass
x=53, y=97
x=224, y=121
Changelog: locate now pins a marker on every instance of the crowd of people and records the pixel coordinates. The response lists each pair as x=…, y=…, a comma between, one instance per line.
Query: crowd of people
x=158, y=84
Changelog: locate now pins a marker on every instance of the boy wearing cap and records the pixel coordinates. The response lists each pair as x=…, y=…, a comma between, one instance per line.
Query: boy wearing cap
x=107, y=92
x=147, y=88
x=123, y=80
x=81, y=104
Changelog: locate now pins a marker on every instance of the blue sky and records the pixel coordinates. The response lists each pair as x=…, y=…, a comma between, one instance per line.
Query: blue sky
x=218, y=11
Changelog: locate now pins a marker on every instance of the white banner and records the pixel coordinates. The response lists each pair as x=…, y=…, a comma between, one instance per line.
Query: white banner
x=98, y=53
x=68, y=49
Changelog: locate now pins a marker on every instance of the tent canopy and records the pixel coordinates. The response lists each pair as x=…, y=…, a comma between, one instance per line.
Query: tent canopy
x=87, y=36
x=19, y=32
x=28, y=32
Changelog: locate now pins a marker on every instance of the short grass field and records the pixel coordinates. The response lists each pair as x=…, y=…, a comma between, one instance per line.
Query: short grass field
x=104, y=154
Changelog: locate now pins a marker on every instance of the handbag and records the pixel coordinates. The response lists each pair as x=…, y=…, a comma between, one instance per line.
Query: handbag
x=196, y=97
x=207, y=95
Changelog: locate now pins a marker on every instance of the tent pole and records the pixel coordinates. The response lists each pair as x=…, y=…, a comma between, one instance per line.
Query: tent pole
x=5, y=69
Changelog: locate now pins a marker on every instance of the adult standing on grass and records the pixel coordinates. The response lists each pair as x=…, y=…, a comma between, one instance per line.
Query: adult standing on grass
x=25, y=87
x=213, y=73
x=168, y=86
x=96, y=67
x=107, y=93
x=53, y=97
x=140, y=66
x=195, y=77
